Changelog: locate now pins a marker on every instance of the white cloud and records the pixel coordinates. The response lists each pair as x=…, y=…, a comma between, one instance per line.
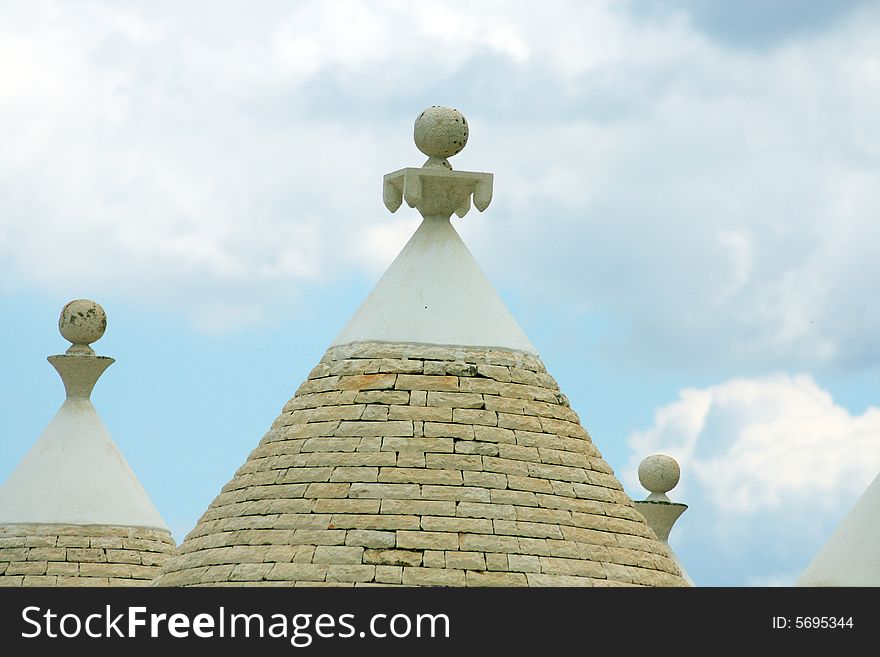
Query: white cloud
x=774, y=444
x=769, y=466
x=718, y=202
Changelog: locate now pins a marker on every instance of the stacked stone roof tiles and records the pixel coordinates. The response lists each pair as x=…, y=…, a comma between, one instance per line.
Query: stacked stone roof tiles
x=81, y=555
x=429, y=447
x=424, y=465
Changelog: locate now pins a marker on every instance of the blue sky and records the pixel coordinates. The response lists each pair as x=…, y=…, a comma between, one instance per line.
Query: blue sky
x=684, y=223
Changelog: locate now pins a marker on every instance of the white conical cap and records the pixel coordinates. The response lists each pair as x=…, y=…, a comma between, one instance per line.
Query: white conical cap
x=435, y=293
x=74, y=474
x=851, y=556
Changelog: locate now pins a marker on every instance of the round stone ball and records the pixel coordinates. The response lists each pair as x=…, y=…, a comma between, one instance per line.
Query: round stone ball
x=82, y=322
x=440, y=132
x=659, y=473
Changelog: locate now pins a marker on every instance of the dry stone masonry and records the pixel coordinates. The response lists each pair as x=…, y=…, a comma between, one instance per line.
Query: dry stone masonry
x=81, y=555
x=425, y=465
x=429, y=447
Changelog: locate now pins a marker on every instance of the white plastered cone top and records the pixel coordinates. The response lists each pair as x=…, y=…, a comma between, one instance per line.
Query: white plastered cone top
x=851, y=556
x=75, y=474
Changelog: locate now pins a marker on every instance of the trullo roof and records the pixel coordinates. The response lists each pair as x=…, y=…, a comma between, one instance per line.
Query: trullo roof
x=73, y=512
x=429, y=446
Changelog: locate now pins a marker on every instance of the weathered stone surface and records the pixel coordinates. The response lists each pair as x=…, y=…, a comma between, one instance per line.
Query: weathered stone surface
x=413, y=465
x=81, y=555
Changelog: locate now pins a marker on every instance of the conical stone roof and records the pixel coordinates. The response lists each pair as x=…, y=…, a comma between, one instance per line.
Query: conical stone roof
x=73, y=513
x=429, y=446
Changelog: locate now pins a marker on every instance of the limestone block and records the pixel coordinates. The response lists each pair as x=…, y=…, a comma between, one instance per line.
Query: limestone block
x=419, y=476
x=432, y=577
x=396, y=558
x=86, y=555
x=481, y=510
x=304, y=475
x=496, y=561
x=367, y=382
x=384, y=491
x=521, y=422
x=477, y=578
x=382, y=397
x=473, y=447
x=494, y=435
x=465, y=560
x=327, y=490
x=583, y=535
x=474, y=416
x=354, y=474
x=297, y=571
x=383, y=521
x=421, y=540
x=434, y=559
x=496, y=372
x=28, y=568
x=518, y=497
x=338, y=554
x=62, y=568
x=124, y=556
x=506, y=466
x=370, y=538
x=484, y=479
x=454, y=461
x=375, y=412
x=410, y=460
x=423, y=413
x=549, y=516
x=434, y=367
x=351, y=573
x=347, y=506
x=330, y=444
x=449, y=430
x=524, y=563
x=557, y=580
x=462, y=493
x=407, y=444
x=318, y=537
x=389, y=574
x=531, y=529
x=452, y=524
x=419, y=507
x=387, y=428
x=579, y=567
x=427, y=383
x=455, y=400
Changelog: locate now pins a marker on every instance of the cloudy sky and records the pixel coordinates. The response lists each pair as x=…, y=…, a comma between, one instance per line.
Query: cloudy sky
x=685, y=223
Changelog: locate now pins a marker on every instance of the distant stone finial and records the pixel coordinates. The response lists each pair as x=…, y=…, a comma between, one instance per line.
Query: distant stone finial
x=434, y=189
x=82, y=322
x=440, y=133
x=659, y=474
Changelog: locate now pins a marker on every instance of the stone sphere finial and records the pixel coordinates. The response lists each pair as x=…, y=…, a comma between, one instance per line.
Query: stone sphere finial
x=659, y=474
x=440, y=132
x=82, y=322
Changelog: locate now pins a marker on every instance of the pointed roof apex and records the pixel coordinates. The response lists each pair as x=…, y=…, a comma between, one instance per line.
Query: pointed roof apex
x=74, y=473
x=434, y=292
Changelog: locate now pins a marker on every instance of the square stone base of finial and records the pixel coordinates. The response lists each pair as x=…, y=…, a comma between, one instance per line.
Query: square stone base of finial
x=437, y=192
